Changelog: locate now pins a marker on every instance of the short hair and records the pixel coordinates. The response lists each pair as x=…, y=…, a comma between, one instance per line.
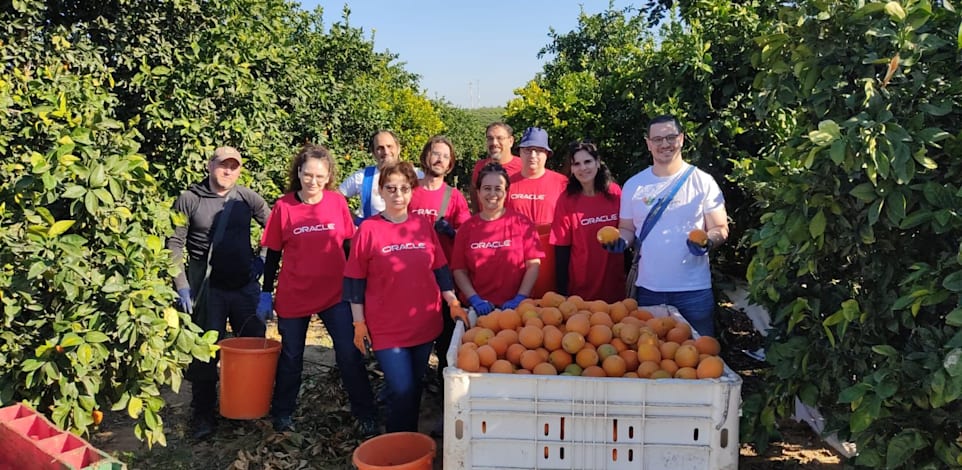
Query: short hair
x=665, y=118
x=311, y=151
x=493, y=169
x=502, y=125
x=370, y=143
x=602, y=178
x=426, y=150
x=405, y=169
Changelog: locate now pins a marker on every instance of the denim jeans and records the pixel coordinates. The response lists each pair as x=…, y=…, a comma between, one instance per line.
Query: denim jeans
x=403, y=369
x=237, y=306
x=697, y=306
x=287, y=383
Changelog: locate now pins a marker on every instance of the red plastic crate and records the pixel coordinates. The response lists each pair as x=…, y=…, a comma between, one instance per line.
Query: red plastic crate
x=29, y=440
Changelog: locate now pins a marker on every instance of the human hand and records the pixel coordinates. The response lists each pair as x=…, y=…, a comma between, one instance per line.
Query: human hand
x=186, y=305
x=699, y=250
x=458, y=313
x=513, y=303
x=617, y=247
x=361, y=337
x=444, y=227
x=480, y=306
x=265, y=306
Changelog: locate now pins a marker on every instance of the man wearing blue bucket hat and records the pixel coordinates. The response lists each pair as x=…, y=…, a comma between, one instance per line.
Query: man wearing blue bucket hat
x=220, y=269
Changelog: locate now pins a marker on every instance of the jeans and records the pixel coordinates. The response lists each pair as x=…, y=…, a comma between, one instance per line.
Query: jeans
x=287, y=383
x=403, y=369
x=697, y=306
x=237, y=306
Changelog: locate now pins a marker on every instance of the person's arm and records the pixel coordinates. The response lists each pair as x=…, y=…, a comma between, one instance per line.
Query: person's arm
x=562, y=259
x=261, y=209
x=349, y=186
x=531, y=268
x=177, y=244
x=464, y=282
x=626, y=228
x=716, y=224
x=272, y=263
x=354, y=294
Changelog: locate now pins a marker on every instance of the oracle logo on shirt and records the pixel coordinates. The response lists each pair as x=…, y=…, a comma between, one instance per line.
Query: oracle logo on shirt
x=529, y=197
x=314, y=228
x=403, y=246
x=487, y=245
x=599, y=220
x=433, y=212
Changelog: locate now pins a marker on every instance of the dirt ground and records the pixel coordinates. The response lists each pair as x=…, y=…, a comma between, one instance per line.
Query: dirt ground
x=325, y=436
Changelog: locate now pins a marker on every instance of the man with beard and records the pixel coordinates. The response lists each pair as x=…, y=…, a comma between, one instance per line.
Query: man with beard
x=219, y=282
x=499, y=138
x=446, y=207
x=385, y=148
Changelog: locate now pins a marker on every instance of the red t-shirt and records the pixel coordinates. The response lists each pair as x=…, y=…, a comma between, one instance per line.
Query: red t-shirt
x=513, y=167
x=494, y=252
x=593, y=273
x=311, y=238
x=427, y=203
x=536, y=197
x=402, y=303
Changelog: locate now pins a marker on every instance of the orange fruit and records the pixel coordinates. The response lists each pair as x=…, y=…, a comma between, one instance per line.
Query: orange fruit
x=551, y=316
x=660, y=374
x=631, y=359
x=579, y=323
x=669, y=366
x=578, y=301
x=608, y=234
x=711, y=367
x=530, y=358
x=668, y=349
x=629, y=333
x=617, y=311
x=514, y=352
x=679, y=333
x=698, y=237
x=471, y=346
x=600, y=318
x=469, y=335
x=572, y=342
x=551, y=299
x=618, y=344
x=593, y=371
x=659, y=326
x=468, y=360
x=523, y=371
x=509, y=336
x=499, y=344
x=490, y=321
x=645, y=369
x=509, y=320
x=606, y=350
x=526, y=306
x=642, y=314
x=98, y=416
x=630, y=375
x=487, y=355
x=686, y=356
x=598, y=306
x=543, y=368
x=574, y=369
x=560, y=359
x=686, y=373
x=707, y=345
x=599, y=334
x=534, y=321
x=567, y=309
x=649, y=352
x=544, y=353
x=501, y=366
x=531, y=336
x=614, y=366
x=552, y=337
x=587, y=357
x=630, y=304
x=482, y=336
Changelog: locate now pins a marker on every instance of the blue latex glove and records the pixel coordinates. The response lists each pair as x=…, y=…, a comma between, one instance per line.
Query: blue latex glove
x=699, y=250
x=616, y=247
x=186, y=305
x=265, y=306
x=480, y=306
x=444, y=227
x=257, y=267
x=513, y=303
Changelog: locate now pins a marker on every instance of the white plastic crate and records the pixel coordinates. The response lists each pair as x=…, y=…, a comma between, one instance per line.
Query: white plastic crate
x=503, y=421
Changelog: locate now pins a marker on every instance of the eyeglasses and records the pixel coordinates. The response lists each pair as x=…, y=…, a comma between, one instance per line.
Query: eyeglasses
x=492, y=138
x=440, y=155
x=669, y=138
x=395, y=189
x=309, y=177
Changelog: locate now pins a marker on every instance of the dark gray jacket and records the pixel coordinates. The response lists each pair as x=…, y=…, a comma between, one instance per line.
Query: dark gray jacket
x=231, y=259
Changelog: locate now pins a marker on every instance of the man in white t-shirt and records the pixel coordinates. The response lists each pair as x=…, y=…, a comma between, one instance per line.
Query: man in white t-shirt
x=673, y=269
x=385, y=148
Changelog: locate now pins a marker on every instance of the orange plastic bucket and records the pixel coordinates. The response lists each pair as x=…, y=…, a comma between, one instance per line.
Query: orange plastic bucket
x=247, y=368
x=396, y=451
x=546, y=276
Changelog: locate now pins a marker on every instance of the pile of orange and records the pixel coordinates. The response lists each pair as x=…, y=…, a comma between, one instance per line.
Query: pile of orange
x=572, y=336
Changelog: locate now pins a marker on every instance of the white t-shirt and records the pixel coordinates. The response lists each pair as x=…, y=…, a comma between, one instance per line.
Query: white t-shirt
x=666, y=265
x=352, y=185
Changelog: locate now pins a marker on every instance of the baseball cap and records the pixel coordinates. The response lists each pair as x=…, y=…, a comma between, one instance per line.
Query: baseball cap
x=226, y=153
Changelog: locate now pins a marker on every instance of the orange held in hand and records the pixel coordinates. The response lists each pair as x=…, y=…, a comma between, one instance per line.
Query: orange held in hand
x=608, y=234
x=699, y=237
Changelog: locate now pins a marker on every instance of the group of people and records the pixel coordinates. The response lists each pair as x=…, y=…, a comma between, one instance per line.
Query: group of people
x=390, y=279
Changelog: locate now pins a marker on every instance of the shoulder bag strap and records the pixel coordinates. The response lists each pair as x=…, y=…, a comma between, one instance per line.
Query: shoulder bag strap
x=366, y=186
x=659, y=209
x=218, y=236
x=445, y=200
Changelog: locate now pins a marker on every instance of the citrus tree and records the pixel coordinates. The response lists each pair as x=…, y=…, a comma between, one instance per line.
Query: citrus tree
x=857, y=252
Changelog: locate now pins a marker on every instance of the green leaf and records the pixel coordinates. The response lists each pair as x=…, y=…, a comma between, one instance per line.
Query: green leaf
x=134, y=407
x=60, y=227
x=885, y=350
x=861, y=419
x=953, y=282
x=902, y=447
x=816, y=227
x=954, y=318
x=70, y=340
x=895, y=11
x=869, y=9
x=953, y=362
x=864, y=192
x=96, y=337
x=853, y=393
x=73, y=191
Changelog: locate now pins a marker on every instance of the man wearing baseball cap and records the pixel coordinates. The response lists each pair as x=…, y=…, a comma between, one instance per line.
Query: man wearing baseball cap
x=219, y=281
x=534, y=193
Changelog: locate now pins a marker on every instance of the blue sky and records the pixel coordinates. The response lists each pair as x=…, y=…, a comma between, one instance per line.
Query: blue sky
x=473, y=53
